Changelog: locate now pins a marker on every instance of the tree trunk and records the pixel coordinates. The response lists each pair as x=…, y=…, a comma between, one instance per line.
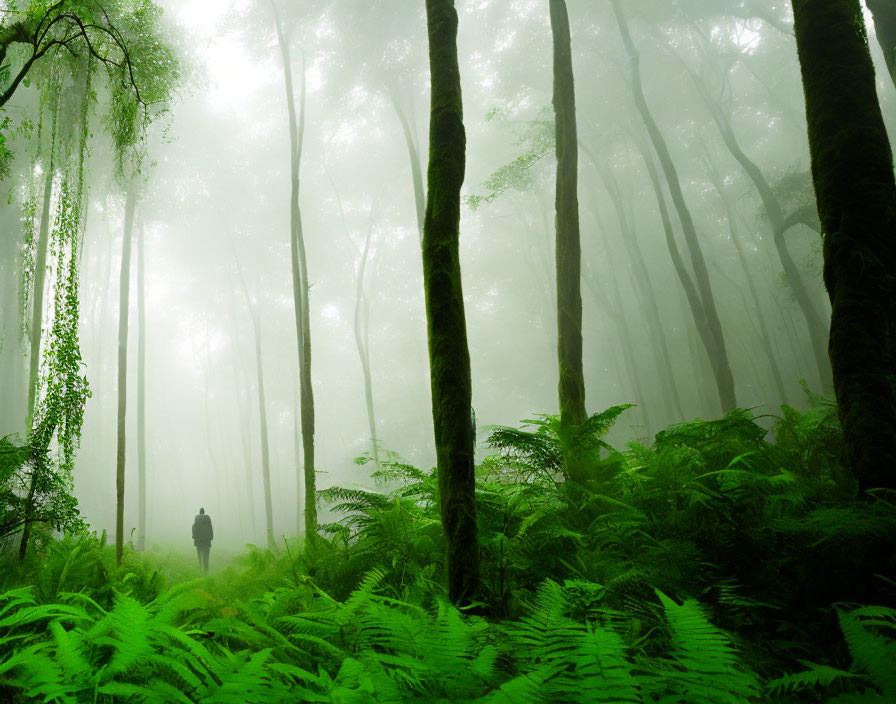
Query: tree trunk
x=300, y=278
x=40, y=274
x=711, y=326
x=263, y=428
x=37, y=317
x=300, y=478
x=644, y=288
x=780, y=226
x=764, y=336
x=852, y=167
x=569, y=248
x=884, y=14
x=243, y=393
x=362, y=341
x=141, y=390
x=449, y=356
x=124, y=293
x=410, y=140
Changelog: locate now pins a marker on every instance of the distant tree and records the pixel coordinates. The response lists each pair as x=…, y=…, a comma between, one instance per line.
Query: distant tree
x=124, y=294
x=262, y=412
x=644, y=287
x=781, y=222
x=449, y=356
x=700, y=299
x=884, y=14
x=852, y=167
x=568, y=247
x=299, y=262
x=141, y=388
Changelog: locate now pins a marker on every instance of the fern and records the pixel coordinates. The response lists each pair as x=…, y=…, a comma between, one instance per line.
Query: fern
x=705, y=666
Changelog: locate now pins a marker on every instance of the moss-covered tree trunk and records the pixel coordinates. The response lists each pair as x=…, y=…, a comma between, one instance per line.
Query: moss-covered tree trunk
x=703, y=303
x=884, y=14
x=568, y=243
x=449, y=356
x=852, y=168
x=37, y=312
x=300, y=282
x=40, y=267
x=124, y=299
x=141, y=390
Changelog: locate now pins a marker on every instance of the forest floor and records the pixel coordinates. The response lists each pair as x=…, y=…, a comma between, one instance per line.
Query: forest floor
x=710, y=565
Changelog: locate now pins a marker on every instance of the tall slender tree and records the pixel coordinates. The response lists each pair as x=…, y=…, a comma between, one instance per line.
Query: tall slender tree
x=141, y=389
x=449, y=356
x=263, y=428
x=643, y=285
x=40, y=259
x=568, y=246
x=124, y=299
x=702, y=302
x=262, y=412
x=852, y=167
x=299, y=272
x=780, y=224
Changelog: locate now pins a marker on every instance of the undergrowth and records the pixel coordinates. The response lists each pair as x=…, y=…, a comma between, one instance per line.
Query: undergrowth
x=721, y=563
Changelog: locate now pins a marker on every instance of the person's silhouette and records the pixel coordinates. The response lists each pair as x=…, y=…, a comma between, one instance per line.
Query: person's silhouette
x=202, y=538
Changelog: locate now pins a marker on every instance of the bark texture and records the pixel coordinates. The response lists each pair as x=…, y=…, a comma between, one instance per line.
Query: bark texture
x=568, y=244
x=449, y=356
x=852, y=168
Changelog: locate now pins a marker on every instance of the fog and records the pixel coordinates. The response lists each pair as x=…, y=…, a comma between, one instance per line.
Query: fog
x=214, y=209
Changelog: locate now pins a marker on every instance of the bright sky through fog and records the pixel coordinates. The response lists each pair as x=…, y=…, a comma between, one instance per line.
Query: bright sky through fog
x=233, y=75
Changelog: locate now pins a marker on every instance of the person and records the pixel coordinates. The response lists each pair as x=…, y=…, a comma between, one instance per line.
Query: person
x=202, y=538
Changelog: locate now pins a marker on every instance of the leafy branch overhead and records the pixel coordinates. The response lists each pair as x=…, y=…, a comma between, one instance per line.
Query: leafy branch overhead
x=536, y=140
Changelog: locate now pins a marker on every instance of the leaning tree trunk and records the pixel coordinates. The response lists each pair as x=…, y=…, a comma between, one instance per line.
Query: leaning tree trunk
x=123, y=305
x=141, y=391
x=712, y=335
x=643, y=288
x=780, y=225
x=300, y=278
x=852, y=167
x=449, y=356
x=884, y=14
x=569, y=247
x=765, y=337
x=410, y=139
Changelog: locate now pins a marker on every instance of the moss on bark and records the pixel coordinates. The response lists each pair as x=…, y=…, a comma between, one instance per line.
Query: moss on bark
x=449, y=355
x=568, y=244
x=852, y=168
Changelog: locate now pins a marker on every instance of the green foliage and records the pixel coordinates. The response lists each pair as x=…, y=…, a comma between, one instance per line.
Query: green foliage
x=695, y=568
x=535, y=138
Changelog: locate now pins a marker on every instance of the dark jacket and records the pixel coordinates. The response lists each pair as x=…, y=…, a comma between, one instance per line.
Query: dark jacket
x=202, y=530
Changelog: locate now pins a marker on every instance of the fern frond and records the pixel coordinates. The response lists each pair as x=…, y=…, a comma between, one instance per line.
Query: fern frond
x=707, y=665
